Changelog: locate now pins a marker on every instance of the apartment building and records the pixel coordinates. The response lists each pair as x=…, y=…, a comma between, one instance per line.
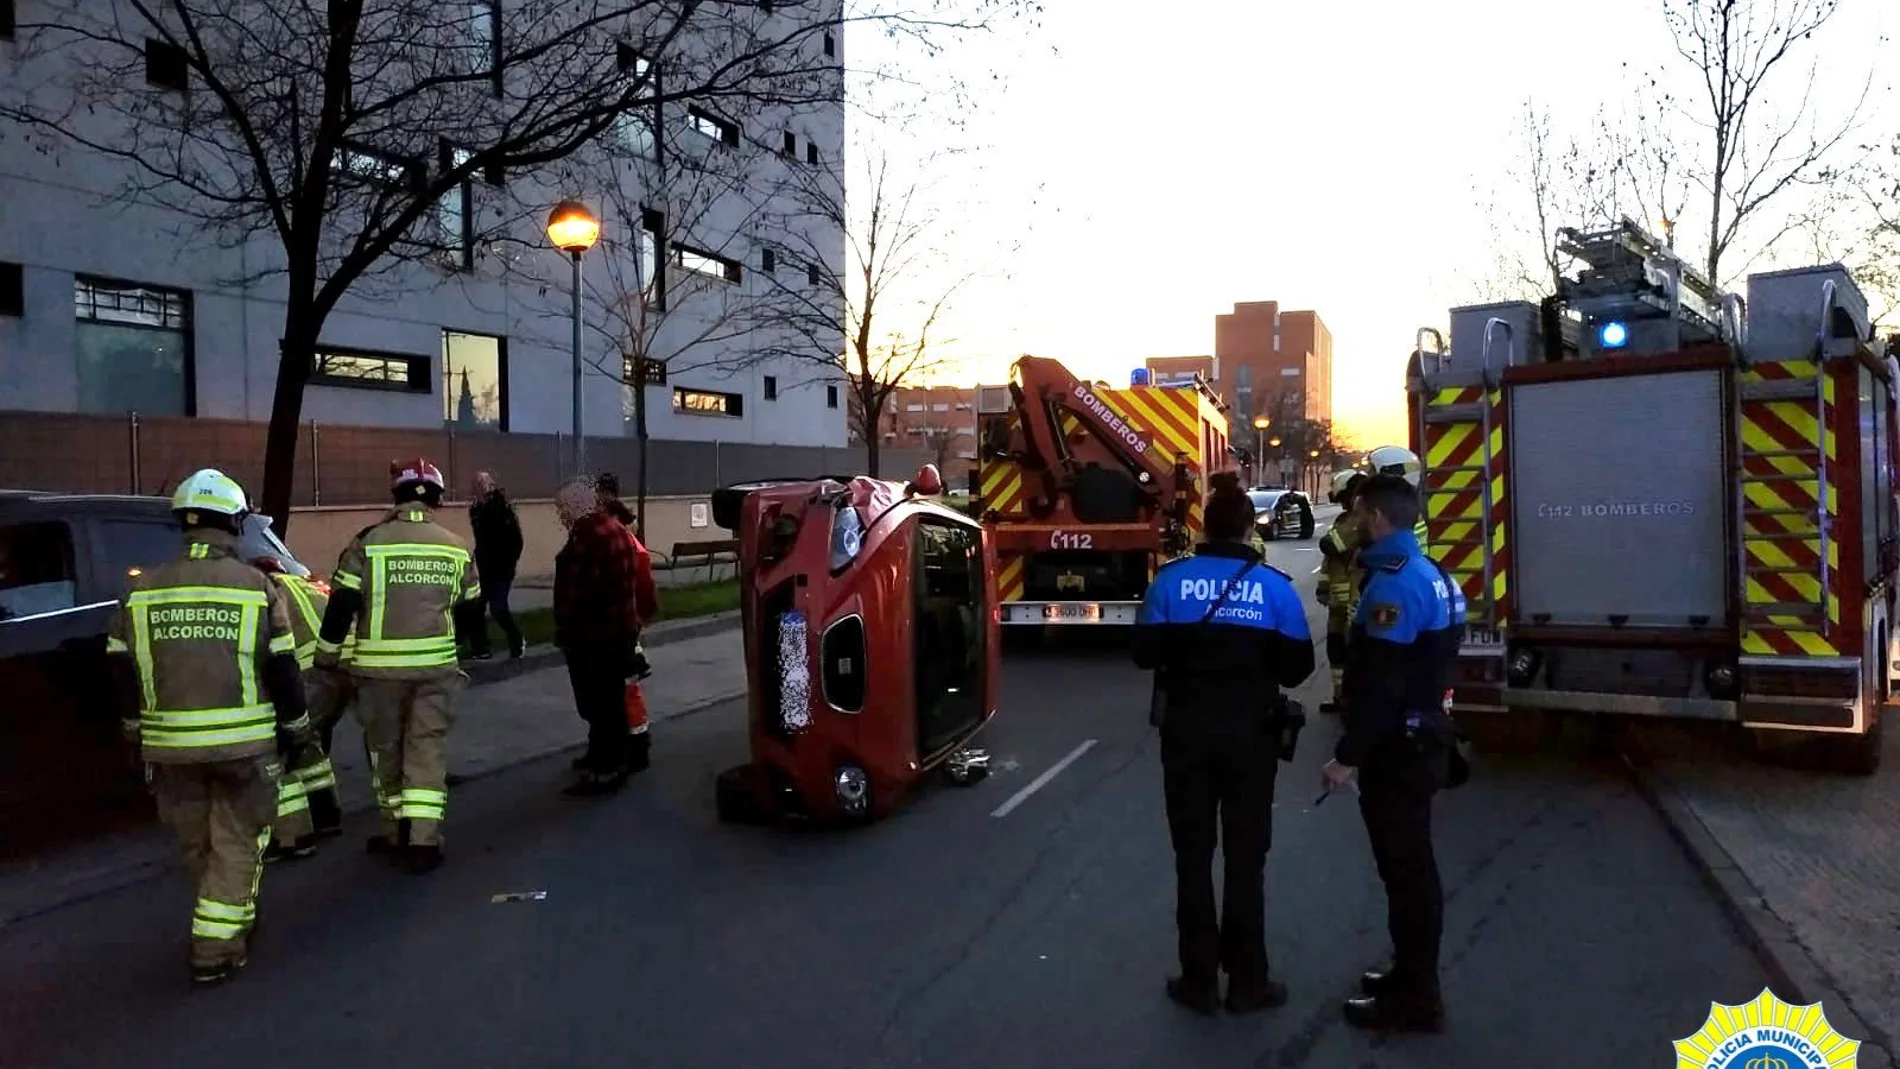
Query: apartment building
x=938, y=421
x=1274, y=363
x=110, y=308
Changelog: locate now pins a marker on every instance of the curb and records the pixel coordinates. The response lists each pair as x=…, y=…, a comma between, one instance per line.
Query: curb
x=548, y=656
x=135, y=870
x=1794, y=975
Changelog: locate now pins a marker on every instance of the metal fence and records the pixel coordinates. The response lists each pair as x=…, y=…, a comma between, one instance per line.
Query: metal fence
x=338, y=465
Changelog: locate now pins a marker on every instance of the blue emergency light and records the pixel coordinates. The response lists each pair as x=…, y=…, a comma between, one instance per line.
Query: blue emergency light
x=1138, y=377
x=1613, y=335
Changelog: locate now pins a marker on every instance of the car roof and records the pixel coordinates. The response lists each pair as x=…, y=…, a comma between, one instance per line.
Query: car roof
x=33, y=502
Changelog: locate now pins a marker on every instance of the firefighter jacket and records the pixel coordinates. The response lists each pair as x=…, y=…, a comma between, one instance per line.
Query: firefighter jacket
x=399, y=581
x=209, y=638
x=306, y=604
x=1404, y=645
x=1340, y=570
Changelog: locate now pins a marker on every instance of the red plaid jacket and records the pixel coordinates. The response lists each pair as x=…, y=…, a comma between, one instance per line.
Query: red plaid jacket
x=603, y=587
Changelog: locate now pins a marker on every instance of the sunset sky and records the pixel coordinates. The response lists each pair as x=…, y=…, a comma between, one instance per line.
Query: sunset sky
x=1155, y=170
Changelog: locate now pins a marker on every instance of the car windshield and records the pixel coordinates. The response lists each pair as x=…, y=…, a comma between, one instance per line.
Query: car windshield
x=1264, y=499
x=260, y=541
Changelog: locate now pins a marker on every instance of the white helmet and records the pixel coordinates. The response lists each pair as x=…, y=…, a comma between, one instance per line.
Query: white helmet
x=210, y=490
x=1395, y=460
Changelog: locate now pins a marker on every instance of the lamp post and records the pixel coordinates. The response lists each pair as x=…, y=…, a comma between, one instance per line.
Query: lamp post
x=573, y=230
x=1313, y=455
x=1260, y=425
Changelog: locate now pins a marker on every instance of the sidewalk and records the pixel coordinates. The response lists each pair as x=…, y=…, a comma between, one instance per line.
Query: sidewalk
x=1811, y=862
x=537, y=591
x=506, y=718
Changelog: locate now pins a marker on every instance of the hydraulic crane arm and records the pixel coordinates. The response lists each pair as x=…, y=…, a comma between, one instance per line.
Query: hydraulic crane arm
x=1043, y=391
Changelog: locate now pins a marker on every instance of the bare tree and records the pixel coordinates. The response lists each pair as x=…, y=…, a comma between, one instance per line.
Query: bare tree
x=339, y=131
x=883, y=334
x=1752, y=155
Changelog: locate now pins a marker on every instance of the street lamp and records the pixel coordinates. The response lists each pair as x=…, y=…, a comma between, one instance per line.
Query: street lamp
x=573, y=230
x=1260, y=425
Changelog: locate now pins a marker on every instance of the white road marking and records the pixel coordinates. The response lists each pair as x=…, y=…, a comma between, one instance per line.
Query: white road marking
x=1043, y=780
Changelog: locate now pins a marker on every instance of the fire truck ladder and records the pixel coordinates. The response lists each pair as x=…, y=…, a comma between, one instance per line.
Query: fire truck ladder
x=1772, y=523
x=1448, y=481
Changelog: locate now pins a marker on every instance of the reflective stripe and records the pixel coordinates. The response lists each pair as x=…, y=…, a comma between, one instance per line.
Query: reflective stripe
x=474, y=591
x=346, y=580
x=317, y=777
x=324, y=645
x=292, y=796
x=114, y=644
x=423, y=803
x=221, y=595
x=183, y=729
x=431, y=659
x=247, y=664
x=211, y=919
x=284, y=644
x=198, y=551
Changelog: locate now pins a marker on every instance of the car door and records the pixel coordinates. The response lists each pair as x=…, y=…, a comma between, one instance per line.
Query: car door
x=124, y=547
x=40, y=599
x=951, y=652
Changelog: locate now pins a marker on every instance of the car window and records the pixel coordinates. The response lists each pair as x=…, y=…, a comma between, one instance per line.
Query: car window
x=128, y=547
x=1264, y=499
x=36, y=569
x=260, y=541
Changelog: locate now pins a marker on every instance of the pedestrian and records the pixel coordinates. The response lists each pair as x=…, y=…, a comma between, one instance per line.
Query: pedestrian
x=400, y=582
x=597, y=627
x=307, y=808
x=205, y=662
x=1398, y=747
x=497, y=531
x=1223, y=632
x=1340, y=576
x=608, y=485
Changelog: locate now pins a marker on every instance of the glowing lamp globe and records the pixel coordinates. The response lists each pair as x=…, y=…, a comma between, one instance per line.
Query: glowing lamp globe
x=572, y=228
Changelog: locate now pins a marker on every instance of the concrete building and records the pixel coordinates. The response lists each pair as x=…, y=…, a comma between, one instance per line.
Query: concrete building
x=1274, y=363
x=132, y=308
x=937, y=421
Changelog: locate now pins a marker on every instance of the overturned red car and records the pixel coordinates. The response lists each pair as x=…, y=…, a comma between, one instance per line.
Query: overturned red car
x=872, y=644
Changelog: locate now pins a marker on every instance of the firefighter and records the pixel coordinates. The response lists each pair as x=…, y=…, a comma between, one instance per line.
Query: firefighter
x=1338, y=588
x=307, y=808
x=1223, y=632
x=203, y=651
x=1400, y=461
x=400, y=582
x=1398, y=748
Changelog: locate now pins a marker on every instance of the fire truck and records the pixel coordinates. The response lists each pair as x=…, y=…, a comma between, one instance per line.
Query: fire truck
x=1663, y=500
x=1086, y=489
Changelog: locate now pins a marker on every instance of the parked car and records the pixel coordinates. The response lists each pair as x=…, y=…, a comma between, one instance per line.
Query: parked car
x=65, y=561
x=1281, y=513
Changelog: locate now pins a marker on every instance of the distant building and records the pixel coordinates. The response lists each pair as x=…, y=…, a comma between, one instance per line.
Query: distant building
x=938, y=420
x=1165, y=370
x=1273, y=363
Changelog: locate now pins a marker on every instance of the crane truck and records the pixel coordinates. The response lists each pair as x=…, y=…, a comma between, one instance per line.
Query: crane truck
x=1087, y=489
x=1664, y=500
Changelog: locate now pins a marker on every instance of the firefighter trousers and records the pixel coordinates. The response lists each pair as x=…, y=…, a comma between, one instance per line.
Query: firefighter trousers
x=406, y=731
x=221, y=812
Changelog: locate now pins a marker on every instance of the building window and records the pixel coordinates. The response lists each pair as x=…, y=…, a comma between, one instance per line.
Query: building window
x=484, y=36
x=791, y=145
x=707, y=403
x=134, y=348
x=813, y=275
x=373, y=166
x=638, y=128
x=771, y=387
x=831, y=397
x=914, y=407
x=1243, y=378
x=811, y=153
x=768, y=261
x=648, y=242
x=361, y=369
x=474, y=381
x=7, y=23
x=831, y=43
x=12, y=287
x=456, y=213
x=706, y=263
x=166, y=65
x=1289, y=372
x=716, y=127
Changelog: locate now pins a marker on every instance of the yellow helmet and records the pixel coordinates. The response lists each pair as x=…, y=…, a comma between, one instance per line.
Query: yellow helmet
x=1342, y=482
x=1395, y=460
x=210, y=490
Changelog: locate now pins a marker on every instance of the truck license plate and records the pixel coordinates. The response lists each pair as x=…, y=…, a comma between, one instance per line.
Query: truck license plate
x=1072, y=611
x=1483, y=637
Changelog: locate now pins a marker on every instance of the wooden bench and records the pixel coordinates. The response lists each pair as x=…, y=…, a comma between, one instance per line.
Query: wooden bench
x=711, y=554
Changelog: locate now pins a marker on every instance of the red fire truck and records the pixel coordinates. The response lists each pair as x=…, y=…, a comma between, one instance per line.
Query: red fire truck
x=1661, y=500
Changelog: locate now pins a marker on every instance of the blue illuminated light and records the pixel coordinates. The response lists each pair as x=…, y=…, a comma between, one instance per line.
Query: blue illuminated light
x=1138, y=377
x=1613, y=335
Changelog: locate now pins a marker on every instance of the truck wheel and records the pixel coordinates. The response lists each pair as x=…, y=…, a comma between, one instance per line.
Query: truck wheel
x=735, y=797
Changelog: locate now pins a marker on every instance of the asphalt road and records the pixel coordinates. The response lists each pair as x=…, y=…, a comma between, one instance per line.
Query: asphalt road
x=1577, y=935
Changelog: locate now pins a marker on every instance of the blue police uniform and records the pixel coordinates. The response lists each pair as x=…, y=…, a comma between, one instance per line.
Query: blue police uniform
x=1223, y=633
x=1405, y=640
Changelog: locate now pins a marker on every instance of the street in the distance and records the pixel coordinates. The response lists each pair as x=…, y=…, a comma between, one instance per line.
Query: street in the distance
x=958, y=932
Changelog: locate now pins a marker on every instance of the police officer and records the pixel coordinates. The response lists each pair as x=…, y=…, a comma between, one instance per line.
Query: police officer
x=1338, y=588
x=307, y=808
x=1397, y=745
x=400, y=583
x=202, y=652
x=1222, y=632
